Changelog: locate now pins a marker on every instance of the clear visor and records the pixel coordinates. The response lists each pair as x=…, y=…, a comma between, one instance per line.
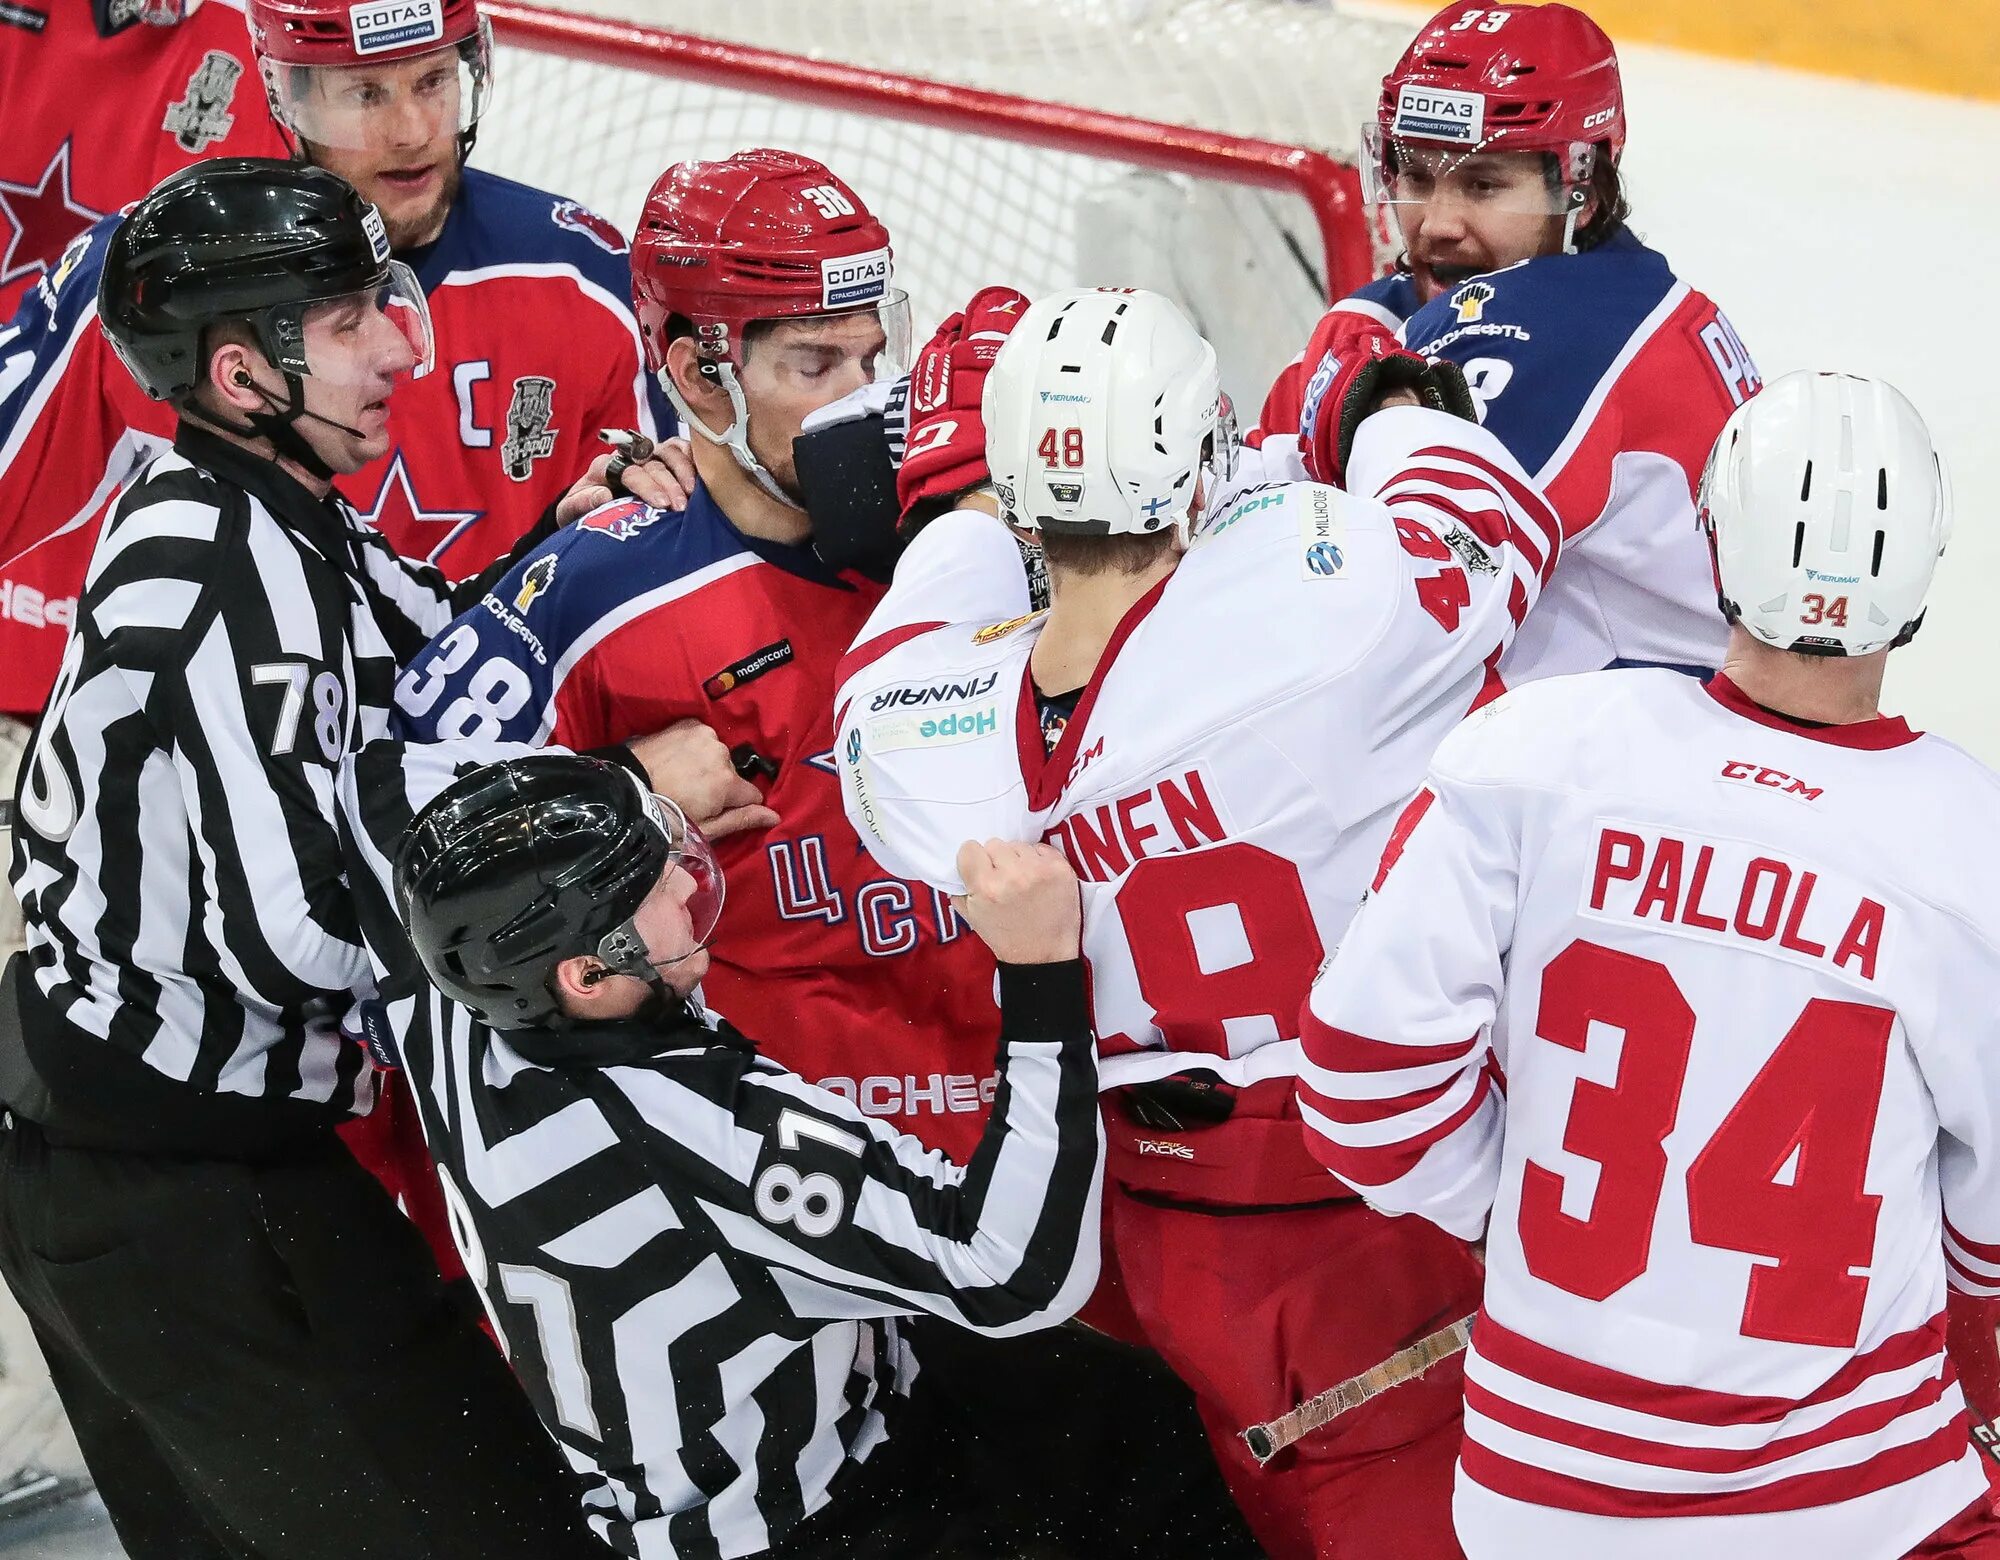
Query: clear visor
x=1225, y=446
x=1409, y=171
x=411, y=103
x=693, y=884
x=366, y=338
x=875, y=339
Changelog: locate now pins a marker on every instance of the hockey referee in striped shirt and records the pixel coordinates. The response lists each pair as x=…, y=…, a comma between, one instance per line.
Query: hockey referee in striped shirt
x=252, y=1343
x=697, y=1259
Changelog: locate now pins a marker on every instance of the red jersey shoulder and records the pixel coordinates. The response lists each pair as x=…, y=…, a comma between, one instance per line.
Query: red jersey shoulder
x=158, y=98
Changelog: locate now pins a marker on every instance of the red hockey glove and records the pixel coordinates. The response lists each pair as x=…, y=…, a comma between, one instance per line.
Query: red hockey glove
x=1346, y=387
x=945, y=452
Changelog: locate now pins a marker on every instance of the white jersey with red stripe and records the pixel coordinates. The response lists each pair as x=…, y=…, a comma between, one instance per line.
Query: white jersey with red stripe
x=1227, y=777
x=1690, y=1009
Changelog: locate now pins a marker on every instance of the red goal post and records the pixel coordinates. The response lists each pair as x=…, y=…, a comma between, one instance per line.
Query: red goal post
x=980, y=182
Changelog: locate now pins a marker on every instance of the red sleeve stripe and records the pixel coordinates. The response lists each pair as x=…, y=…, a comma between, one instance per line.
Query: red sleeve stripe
x=1343, y=1051
x=1388, y=1162
x=1968, y=1281
x=1546, y=1367
x=1349, y=1112
x=863, y=656
x=1979, y=1251
x=1544, y=1487
x=1481, y=523
x=1399, y=837
x=1533, y=529
x=1530, y=502
x=1867, y=1420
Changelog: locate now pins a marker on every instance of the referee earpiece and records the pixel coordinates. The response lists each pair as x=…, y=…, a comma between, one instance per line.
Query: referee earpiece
x=242, y=376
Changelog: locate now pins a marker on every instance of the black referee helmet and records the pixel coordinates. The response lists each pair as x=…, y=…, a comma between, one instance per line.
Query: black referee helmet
x=520, y=865
x=252, y=239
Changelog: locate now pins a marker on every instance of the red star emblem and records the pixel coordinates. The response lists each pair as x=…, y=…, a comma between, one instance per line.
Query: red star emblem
x=400, y=515
x=40, y=220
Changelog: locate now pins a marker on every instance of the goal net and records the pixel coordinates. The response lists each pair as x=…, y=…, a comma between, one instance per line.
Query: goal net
x=1203, y=148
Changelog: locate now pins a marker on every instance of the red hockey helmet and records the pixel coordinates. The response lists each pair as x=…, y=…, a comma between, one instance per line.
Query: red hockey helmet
x=1524, y=78
x=294, y=40
x=762, y=235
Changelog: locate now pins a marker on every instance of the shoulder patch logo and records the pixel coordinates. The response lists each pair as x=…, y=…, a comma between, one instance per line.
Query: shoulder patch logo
x=541, y=574
x=993, y=631
x=581, y=219
x=1470, y=301
x=529, y=436
x=202, y=116
x=620, y=522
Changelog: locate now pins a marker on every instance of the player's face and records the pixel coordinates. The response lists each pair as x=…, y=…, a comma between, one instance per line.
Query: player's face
x=1462, y=216
x=666, y=922
x=797, y=367
x=392, y=132
x=358, y=354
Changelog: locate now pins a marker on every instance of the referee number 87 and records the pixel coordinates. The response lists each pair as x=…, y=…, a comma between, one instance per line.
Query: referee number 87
x=813, y=1202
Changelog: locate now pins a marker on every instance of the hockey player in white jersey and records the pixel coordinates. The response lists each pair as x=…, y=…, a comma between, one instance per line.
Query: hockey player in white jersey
x=1217, y=723
x=1683, y=998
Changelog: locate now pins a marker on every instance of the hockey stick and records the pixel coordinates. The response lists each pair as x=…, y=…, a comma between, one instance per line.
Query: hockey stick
x=1272, y=1437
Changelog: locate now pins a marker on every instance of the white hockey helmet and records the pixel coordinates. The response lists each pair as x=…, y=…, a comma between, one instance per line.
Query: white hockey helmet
x=1100, y=411
x=1827, y=510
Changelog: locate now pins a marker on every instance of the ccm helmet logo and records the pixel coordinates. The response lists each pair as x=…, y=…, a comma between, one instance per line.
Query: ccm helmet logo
x=1436, y=114
x=854, y=279
x=395, y=24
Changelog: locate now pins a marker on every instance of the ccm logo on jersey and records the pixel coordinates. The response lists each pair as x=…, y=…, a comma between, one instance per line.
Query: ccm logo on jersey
x=395, y=24
x=1772, y=779
x=854, y=279
x=1436, y=114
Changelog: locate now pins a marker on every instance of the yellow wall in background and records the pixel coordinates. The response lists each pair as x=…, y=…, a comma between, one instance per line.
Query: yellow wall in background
x=1948, y=46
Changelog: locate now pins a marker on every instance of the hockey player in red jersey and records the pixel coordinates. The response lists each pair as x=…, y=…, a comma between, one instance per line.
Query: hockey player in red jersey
x=1219, y=733
x=1681, y=997
x=1496, y=149
x=105, y=98
x=765, y=291
x=538, y=348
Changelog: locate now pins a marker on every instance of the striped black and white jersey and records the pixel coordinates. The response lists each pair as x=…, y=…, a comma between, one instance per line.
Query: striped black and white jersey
x=696, y=1259
x=176, y=853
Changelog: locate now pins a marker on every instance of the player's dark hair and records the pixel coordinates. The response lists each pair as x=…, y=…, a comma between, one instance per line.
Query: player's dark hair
x=1607, y=192
x=1123, y=554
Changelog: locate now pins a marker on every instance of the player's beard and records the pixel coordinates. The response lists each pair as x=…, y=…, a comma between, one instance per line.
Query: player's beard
x=421, y=226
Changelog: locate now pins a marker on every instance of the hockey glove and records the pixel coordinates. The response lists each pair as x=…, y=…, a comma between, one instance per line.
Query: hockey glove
x=945, y=453
x=1344, y=389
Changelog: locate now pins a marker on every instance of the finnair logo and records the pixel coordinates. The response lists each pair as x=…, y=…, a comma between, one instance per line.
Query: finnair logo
x=381, y=25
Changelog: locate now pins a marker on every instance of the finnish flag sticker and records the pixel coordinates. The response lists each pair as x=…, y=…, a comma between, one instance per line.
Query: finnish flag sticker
x=382, y=25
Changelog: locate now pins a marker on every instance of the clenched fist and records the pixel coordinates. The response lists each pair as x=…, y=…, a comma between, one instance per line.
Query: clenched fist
x=1022, y=899
x=688, y=764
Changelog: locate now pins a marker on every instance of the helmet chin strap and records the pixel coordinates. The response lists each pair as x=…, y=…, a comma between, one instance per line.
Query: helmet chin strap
x=277, y=424
x=736, y=437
